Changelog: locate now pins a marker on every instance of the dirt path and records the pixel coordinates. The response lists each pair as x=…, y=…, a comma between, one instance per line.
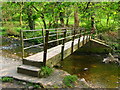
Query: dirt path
x=6, y=64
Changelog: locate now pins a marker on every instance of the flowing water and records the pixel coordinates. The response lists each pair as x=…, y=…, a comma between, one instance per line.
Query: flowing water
x=91, y=68
x=12, y=48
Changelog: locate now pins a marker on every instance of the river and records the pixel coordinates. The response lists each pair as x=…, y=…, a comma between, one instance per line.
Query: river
x=91, y=68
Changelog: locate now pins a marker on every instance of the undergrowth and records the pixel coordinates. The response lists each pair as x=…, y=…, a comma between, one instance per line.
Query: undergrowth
x=45, y=71
x=6, y=79
x=70, y=80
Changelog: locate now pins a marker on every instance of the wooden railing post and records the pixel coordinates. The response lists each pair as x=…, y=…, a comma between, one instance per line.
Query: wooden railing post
x=79, y=38
x=73, y=37
x=43, y=35
x=63, y=45
x=45, y=47
x=87, y=36
x=91, y=35
x=57, y=43
x=22, y=43
x=83, y=36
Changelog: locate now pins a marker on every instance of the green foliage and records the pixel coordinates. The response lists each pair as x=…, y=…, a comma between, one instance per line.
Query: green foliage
x=45, y=71
x=11, y=32
x=106, y=15
x=56, y=86
x=6, y=79
x=34, y=85
x=117, y=51
x=115, y=46
x=34, y=34
x=69, y=80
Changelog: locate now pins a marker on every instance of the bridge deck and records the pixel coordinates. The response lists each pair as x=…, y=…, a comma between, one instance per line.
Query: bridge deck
x=53, y=51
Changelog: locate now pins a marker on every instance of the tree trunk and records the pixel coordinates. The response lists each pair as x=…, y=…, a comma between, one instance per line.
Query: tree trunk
x=20, y=18
x=107, y=22
x=56, y=21
x=21, y=7
x=30, y=19
x=43, y=20
x=93, y=24
x=67, y=21
x=42, y=17
x=76, y=19
x=50, y=24
x=61, y=15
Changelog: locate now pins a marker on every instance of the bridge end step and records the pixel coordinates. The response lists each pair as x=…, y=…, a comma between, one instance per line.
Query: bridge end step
x=33, y=63
x=28, y=70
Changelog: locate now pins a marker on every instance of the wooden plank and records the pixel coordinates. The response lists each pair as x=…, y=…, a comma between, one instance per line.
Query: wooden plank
x=32, y=30
x=55, y=29
x=52, y=35
x=33, y=46
x=22, y=43
x=69, y=36
x=55, y=40
x=33, y=38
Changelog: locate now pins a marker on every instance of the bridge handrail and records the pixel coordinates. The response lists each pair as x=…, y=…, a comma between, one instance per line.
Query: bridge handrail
x=44, y=29
x=33, y=46
x=67, y=34
x=32, y=38
x=31, y=30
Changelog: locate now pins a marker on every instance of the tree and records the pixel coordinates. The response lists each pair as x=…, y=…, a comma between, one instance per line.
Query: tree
x=76, y=17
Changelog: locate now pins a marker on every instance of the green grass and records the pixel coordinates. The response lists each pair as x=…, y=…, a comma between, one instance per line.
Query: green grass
x=35, y=86
x=13, y=28
x=6, y=79
x=69, y=80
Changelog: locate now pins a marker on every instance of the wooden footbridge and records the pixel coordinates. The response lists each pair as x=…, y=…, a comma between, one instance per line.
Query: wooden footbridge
x=65, y=41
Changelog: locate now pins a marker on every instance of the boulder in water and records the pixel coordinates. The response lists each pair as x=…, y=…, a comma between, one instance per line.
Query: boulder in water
x=110, y=59
x=85, y=69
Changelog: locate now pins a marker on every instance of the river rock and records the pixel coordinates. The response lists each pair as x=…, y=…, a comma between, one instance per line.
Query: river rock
x=117, y=82
x=58, y=66
x=24, y=83
x=30, y=87
x=110, y=59
x=84, y=81
x=85, y=69
x=106, y=60
x=13, y=59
